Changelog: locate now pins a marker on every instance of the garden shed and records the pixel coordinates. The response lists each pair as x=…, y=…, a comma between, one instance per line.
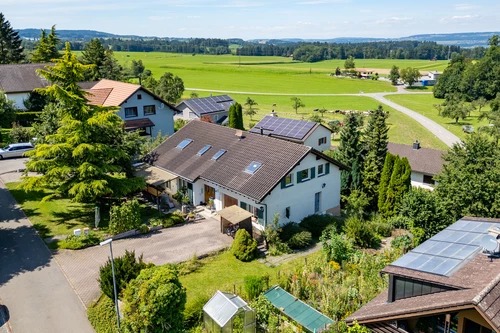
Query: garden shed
x=235, y=217
x=226, y=312
x=308, y=317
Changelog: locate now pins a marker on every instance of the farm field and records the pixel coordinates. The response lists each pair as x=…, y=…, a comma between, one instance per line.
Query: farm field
x=402, y=129
x=424, y=105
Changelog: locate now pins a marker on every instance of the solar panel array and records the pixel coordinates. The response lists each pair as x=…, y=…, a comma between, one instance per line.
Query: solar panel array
x=209, y=104
x=445, y=252
x=290, y=128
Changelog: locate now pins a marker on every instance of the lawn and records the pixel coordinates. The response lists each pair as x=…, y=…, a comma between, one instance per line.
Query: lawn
x=60, y=216
x=402, y=129
x=424, y=104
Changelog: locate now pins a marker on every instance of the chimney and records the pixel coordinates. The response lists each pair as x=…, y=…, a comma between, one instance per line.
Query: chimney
x=239, y=134
x=261, y=130
x=273, y=114
x=416, y=145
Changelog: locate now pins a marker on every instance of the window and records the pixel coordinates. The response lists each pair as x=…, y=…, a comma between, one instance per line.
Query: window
x=253, y=167
x=149, y=110
x=184, y=143
x=218, y=154
x=322, y=141
x=139, y=96
x=287, y=212
x=304, y=174
x=321, y=170
x=204, y=150
x=404, y=288
x=287, y=181
x=473, y=327
x=428, y=180
x=131, y=112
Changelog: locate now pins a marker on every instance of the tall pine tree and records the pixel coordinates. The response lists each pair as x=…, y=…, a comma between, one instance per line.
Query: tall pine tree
x=110, y=68
x=53, y=42
x=11, y=51
x=46, y=48
x=94, y=54
x=350, y=153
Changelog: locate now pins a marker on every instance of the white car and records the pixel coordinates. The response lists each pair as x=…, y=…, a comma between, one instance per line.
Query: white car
x=15, y=150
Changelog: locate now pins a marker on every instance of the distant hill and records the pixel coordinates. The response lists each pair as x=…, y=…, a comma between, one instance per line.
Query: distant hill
x=465, y=39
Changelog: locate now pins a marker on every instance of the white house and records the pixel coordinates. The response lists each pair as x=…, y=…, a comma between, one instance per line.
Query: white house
x=17, y=81
x=308, y=133
x=215, y=107
x=261, y=174
x=425, y=162
x=139, y=108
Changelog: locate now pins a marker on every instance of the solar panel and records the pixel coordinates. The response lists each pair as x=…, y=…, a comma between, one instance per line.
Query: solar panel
x=291, y=128
x=446, y=251
x=204, y=150
x=218, y=154
x=184, y=143
x=254, y=166
x=209, y=104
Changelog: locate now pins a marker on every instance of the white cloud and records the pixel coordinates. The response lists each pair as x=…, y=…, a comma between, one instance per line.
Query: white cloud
x=465, y=7
x=321, y=2
x=394, y=19
x=459, y=18
x=304, y=23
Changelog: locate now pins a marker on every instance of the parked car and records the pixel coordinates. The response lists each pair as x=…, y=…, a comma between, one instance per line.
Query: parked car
x=15, y=150
x=468, y=128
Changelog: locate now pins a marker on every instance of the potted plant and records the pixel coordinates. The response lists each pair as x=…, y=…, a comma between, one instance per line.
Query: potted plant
x=185, y=203
x=211, y=204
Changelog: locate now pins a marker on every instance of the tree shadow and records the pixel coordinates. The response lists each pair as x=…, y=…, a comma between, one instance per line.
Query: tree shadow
x=4, y=317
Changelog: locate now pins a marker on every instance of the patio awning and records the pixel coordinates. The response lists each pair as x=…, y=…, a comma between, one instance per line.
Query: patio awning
x=234, y=214
x=138, y=123
x=154, y=176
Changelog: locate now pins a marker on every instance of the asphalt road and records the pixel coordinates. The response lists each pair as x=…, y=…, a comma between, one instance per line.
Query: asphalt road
x=12, y=164
x=33, y=289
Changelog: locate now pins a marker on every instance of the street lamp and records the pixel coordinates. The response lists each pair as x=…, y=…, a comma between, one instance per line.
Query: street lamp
x=106, y=242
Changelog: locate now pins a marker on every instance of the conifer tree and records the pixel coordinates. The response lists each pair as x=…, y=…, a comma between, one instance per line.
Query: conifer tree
x=385, y=179
x=399, y=185
x=239, y=117
x=232, y=121
x=11, y=51
x=350, y=152
x=110, y=68
x=41, y=53
x=53, y=43
x=84, y=159
x=93, y=54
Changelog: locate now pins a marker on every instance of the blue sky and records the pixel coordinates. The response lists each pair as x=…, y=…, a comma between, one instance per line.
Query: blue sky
x=257, y=19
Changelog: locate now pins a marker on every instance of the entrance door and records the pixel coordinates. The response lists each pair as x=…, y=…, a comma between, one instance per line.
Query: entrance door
x=229, y=201
x=317, y=202
x=209, y=193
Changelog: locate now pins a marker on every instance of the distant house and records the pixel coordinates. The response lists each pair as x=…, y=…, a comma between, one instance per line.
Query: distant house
x=139, y=108
x=215, y=107
x=425, y=162
x=308, y=133
x=427, y=80
x=19, y=80
x=261, y=174
x=449, y=283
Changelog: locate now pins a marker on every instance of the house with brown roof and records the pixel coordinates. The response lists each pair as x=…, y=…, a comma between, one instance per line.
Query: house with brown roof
x=261, y=174
x=449, y=283
x=138, y=107
x=425, y=162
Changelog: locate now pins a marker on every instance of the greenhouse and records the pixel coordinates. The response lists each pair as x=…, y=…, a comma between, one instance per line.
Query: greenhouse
x=226, y=312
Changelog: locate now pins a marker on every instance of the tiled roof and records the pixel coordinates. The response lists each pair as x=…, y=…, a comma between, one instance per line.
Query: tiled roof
x=98, y=96
x=425, y=160
x=278, y=158
x=21, y=78
x=476, y=283
x=120, y=91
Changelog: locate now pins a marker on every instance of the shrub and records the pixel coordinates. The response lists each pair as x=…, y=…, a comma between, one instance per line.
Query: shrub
x=189, y=266
x=315, y=224
x=193, y=314
x=300, y=240
x=360, y=232
x=20, y=134
x=125, y=217
x=263, y=310
x=73, y=242
x=402, y=242
x=382, y=228
x=155, y=301
x=127, y=267
x=143, y=228
x=337, y=247
x=279, y=248
x=102, y=315
x=244, y=246
x=25, y=118
x=255, y=285
x=288, y=230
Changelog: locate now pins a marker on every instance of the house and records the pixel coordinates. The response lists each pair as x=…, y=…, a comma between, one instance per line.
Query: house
x=215, y=107
x=425, y=162
x=138, y=107
x=308, y=133
x=17, y=81
x=449, y=283
x=261, y=174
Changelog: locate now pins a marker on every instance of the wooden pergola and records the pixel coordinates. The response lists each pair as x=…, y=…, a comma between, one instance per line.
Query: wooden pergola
x=233, y=215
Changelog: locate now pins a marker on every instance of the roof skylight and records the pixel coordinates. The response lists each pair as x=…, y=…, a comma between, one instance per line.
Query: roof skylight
x=254, y=166
x=184, y=143
x=218, y=154
x=204, y=150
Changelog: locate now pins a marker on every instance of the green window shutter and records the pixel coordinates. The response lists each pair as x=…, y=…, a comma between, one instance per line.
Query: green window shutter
x=283, y=183
x=313, y=171
x=243, y=205
x=260, y=216
x=299, y=177
x=327, y=168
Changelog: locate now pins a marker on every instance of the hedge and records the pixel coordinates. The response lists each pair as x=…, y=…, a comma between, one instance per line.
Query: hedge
x=102, y=315
x=26, y=118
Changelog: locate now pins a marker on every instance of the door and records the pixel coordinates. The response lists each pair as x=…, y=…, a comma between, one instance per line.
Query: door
x=317, y=202
x=229, y=201
x=209, y=193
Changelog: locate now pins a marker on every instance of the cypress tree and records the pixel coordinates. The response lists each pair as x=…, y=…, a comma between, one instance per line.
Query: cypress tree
x=11, y=51
x=398, y=185
x=239, y=117
x=350, y=153
x=385, y=179
x=232, y=122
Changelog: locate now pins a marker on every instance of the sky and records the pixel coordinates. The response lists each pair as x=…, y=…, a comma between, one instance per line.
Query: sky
x=260, y=19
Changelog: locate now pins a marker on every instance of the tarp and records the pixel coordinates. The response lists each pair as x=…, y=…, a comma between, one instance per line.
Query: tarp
x=305, y=315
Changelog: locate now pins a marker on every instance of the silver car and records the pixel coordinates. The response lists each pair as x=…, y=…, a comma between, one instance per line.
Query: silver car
x=15, y=150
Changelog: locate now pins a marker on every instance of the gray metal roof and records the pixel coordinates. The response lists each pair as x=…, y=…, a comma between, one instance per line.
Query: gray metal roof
x=224, y=306
x=206, y=105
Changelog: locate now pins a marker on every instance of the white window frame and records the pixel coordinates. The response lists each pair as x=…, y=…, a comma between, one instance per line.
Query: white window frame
x=324, y=170
x=291, y=180
x=308, y=175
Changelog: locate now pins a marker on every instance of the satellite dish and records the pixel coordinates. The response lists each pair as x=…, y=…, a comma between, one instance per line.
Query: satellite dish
x=489, y=243
x=162, y=106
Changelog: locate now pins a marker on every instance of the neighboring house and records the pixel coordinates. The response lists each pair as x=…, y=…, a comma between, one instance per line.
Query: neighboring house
x=19, y=80
x=139, y=108
x=427, y=80
x=261, y=174
x=215, y=107
x=425, y=162
x=308, y=133
x=449, y=281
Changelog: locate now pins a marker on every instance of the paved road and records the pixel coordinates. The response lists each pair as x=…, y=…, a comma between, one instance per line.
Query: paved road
x=33, y=288
x=12, y=164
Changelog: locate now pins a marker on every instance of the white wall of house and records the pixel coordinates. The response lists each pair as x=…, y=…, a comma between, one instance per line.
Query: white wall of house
x=163, y=119
x=313, y=139
x=187, y=114
x=417, y=180
x=18, y=99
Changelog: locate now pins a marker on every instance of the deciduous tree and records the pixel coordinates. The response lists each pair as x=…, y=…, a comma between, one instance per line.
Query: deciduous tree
x=11, y=51
x=322, y=111
x=455, y=108
x=349, y=63
x=410, y=75
x=250, y=110
x=170, y=87
x=297, y=104
x=394, y=74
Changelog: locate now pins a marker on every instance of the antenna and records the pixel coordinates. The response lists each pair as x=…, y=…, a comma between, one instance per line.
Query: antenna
x=489, y=243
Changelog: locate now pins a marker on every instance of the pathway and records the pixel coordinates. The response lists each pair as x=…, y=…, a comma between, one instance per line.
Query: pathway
x=278, y=260
x=439, y=131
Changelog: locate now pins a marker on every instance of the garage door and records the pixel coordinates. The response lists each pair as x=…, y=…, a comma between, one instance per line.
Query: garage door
x=229, y=201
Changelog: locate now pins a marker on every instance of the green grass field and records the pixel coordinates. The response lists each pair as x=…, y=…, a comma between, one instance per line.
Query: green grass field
x=424, y=105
